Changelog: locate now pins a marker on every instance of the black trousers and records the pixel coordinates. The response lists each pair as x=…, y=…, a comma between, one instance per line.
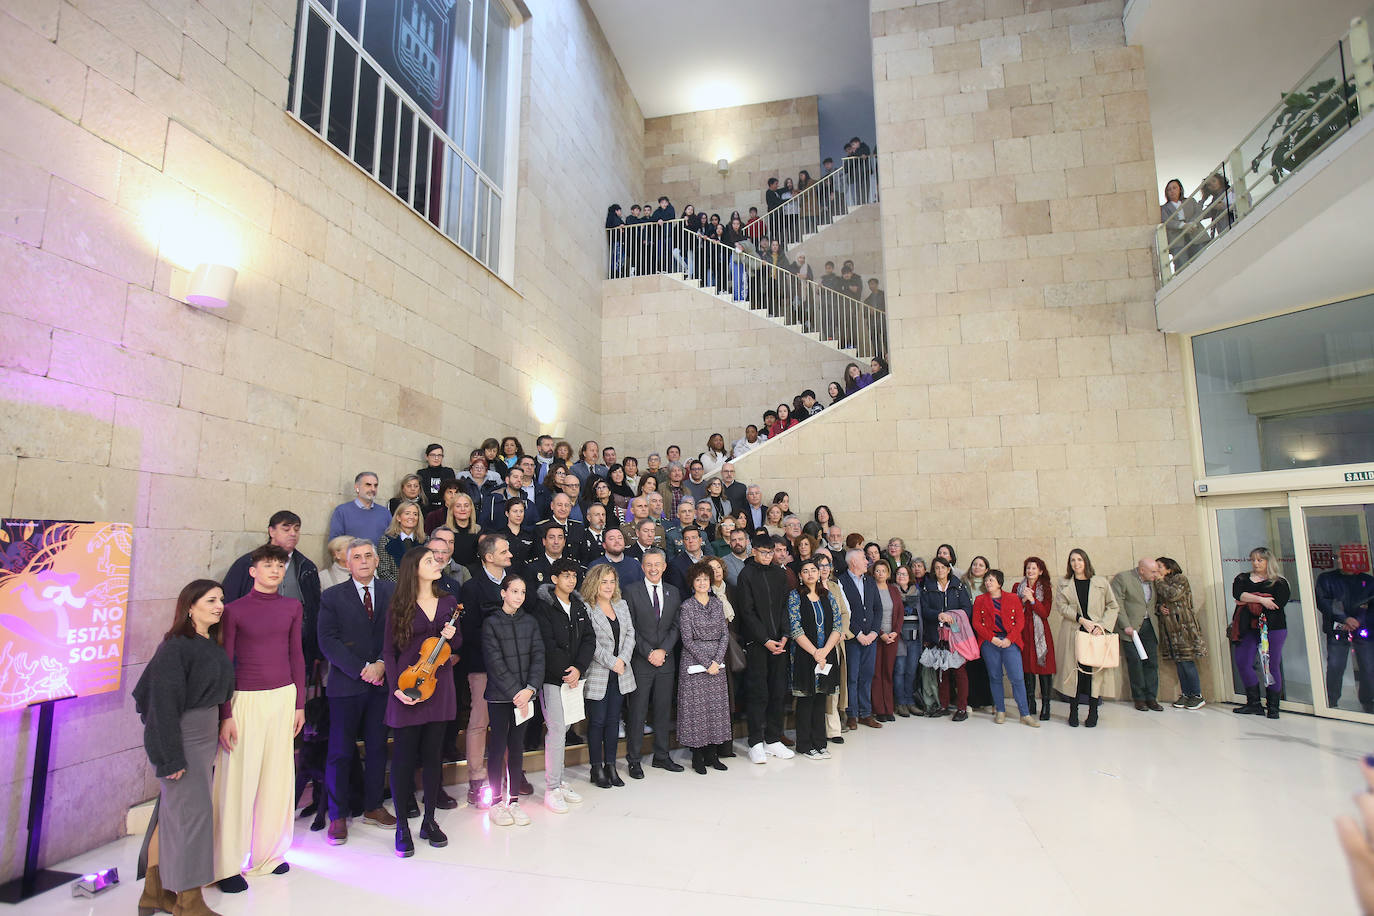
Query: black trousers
x=810, y=716
x=765, y=688
x=348, y=717
x=505, y=742
x=652, y=686
x=412, y=746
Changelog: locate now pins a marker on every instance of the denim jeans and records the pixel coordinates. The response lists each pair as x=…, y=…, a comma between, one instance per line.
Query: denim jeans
x=1188, y=681
x=862, y=660
x=904, y=675
x=603, y=730
x=1006, y=660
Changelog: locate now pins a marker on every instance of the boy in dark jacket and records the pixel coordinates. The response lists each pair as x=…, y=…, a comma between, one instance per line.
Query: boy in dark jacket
x=568, y=646
x=514, y=654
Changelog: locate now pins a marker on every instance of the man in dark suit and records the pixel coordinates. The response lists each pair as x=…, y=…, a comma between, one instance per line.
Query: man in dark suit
x=539, y=571
x=754, y=509
x=493, y=514
x=653, y=608
x=861, y=652
x=352, y=625
x=692, y=552
x=761, y=610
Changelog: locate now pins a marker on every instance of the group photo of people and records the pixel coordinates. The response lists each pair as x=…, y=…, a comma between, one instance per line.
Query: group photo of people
x=663, y=616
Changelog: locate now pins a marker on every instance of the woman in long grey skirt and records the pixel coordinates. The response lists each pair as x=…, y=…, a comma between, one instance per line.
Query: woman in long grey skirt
x=178, y=698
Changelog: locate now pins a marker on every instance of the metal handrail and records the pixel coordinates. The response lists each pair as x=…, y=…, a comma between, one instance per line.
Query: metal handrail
x=853, y=184
x=1249, y=174
x=656, y=248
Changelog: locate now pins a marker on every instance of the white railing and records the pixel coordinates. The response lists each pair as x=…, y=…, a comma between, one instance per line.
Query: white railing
x=367, y=116
x=670, y=247
x=1322, y=106
x=825, y=200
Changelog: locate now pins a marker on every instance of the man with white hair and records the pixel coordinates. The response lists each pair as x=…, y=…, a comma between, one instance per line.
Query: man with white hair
x=754, y=509
x=1134, y=590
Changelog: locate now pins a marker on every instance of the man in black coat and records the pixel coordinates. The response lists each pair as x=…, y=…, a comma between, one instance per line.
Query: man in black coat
x=553, y=546
x=569, y=643
x=761, y=609
x=302, y=580
x=352, y=625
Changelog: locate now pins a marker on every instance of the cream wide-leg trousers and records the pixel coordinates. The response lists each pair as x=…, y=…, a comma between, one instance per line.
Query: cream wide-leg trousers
x=255, y=784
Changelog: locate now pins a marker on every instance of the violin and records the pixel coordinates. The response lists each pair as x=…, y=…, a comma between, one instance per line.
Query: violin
x=418, y=681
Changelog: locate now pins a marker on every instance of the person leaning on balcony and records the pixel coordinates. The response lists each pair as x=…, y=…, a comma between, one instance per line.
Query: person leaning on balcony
x=1219, y=204
x=1179, y=215
x=855, y=378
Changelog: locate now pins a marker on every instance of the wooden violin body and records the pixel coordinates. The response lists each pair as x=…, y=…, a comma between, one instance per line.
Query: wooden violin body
x=419, y=680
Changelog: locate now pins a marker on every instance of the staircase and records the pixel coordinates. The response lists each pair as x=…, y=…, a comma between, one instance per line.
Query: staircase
x=736, y=276
x=824, y=202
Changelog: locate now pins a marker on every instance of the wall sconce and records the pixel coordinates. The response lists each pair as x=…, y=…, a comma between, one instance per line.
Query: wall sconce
x=210, y=286
x=544, y=404
x=723, y=166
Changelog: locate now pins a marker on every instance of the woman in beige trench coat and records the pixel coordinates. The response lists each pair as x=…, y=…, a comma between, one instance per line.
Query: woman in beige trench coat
x=1097, y=613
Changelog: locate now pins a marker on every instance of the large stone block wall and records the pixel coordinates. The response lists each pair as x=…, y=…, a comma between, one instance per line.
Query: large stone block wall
x=858, y=237
x=767, y=139
x=680, y=364
x=1033, y=406
x=356, y=335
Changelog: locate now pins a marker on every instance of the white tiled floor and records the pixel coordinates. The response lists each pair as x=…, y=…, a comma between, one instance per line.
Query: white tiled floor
x=1173, y=812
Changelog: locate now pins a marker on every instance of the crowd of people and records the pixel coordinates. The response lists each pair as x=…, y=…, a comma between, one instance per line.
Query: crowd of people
x=747, y=255
x=506, y=604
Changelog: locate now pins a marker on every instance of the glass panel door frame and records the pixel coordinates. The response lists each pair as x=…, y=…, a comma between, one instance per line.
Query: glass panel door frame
x=1298, y=502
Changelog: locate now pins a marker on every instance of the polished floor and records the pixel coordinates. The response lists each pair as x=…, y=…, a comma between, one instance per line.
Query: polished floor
x=1173, y=812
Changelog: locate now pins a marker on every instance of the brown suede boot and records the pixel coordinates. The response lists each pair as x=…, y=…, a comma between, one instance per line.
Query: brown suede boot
x=156, y=898
x=192, y=903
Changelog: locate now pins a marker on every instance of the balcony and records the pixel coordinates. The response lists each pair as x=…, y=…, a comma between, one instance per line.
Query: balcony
x=1282, y=221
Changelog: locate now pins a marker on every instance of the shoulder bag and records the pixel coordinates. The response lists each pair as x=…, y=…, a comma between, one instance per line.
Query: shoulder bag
x=1097, y=650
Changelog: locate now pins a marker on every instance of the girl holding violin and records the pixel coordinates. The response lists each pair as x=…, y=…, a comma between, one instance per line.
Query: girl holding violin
x=514, y=650
x=420, y=611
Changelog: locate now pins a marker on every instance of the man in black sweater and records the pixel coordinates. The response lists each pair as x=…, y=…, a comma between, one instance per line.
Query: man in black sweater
x=761, y=607
x=568, y=647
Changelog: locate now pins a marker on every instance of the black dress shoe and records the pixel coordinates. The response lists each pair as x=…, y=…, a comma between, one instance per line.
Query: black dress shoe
x=635, y=770
x=282, y=869
x=234, y=884
x=835, y=740
x=669, y=764
x=599, y=777
x=614, y=777
x=429, y=830
x=405, y=846
x=525, y=787
x=446, y=802
x=1154, y=706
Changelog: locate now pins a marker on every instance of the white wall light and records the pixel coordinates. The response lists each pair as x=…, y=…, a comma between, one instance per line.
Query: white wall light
x=210, y=286
x=723, y=166
x=544, y=404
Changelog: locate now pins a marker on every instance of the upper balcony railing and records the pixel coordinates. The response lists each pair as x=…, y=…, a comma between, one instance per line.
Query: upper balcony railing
x=1322, y=106
x=825, y=200
x=670, y=247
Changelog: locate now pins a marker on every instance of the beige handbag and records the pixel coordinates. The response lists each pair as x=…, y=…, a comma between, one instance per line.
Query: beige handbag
x=1097, y=650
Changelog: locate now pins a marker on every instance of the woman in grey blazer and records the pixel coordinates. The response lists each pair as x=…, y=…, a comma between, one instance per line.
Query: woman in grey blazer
x=615, y=644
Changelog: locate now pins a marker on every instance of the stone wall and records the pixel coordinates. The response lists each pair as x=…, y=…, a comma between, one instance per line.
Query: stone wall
x=768, y=139
x=1033, y=407
x=662, y=387
x=857, y=237
x=356, y=335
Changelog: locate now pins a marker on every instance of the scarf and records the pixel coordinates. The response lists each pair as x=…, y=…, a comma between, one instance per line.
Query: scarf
x=1031, y=592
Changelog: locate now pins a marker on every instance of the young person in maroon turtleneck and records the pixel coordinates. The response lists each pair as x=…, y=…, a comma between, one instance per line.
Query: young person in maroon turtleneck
x=255, y=770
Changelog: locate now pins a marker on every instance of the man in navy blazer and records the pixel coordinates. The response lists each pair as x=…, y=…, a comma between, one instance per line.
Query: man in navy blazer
x=861, y=592
x=352, y=625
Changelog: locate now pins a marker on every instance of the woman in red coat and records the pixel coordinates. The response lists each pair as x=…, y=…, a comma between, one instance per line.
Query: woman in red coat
x=1036, y=592
x=997, y=619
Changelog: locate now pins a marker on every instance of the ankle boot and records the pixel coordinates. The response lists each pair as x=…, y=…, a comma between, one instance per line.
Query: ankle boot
x=599, y=778
x=429, y=830
x=405, y=846
x=713, y=759
x=156, y=898
x=613, y=775
x=192, y=903
x=1091, y=721
x=1073, y=713
x=1272, y=698
x=1252, y=705
x=698, y=762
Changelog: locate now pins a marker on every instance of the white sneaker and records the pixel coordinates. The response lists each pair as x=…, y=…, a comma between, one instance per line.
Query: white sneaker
x=622, y=729
x=779, y=750
x=518, y=817
x=825, y=755
x=813, y=754
x=500, y=816
x=648, y=729
x=553, y=800
x=570, y=795
x=757, y=755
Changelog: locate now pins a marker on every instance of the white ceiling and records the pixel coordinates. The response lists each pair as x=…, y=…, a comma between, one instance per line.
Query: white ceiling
x=703, y=54
x=1215, y=68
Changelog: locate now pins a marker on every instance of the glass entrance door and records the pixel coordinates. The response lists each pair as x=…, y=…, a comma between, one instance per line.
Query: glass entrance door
x=1334, y=551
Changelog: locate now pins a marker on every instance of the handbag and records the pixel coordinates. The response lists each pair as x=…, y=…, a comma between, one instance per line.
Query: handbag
x=1097, y=650
x=734, y=655
x=962, y=639
x=1245, y=618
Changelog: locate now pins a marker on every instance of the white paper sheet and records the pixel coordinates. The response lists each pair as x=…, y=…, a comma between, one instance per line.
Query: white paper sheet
x=1139, y=646
x=573, y=708
x=696, y=669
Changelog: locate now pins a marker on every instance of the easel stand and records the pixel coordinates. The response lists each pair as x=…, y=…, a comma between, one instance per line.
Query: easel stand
x=37, y=880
